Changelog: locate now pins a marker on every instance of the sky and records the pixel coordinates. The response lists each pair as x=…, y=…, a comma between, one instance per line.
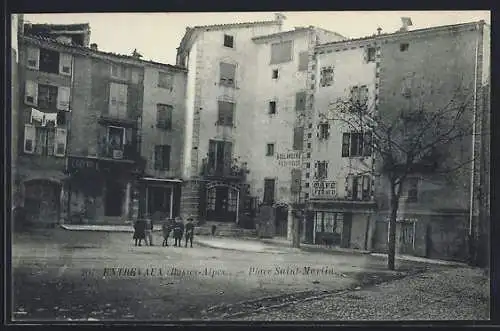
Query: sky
x=157, y=35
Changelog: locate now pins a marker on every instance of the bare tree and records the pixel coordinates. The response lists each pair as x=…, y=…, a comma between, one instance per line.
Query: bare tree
x=422, y=138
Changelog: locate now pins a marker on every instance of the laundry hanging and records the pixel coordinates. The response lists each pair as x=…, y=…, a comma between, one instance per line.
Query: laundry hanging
x=50, y=117
x=42, y=117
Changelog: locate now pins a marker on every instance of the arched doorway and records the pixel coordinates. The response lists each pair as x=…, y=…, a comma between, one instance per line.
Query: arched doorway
x=42, y=201
x=222, y=202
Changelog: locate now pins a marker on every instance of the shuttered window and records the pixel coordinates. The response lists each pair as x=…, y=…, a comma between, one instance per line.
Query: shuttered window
x=162, y=157
x=303, y=60
x=33, y=57
x=65, y=60
x=164, y=116
x=31, y=93
x=63, y=97
x=118, y=100
x=300, y=101
x=296, y=180
x=298, y=138
x=281, y=52
x=29, y=138
x=60, y=142
x=227, y=74
x=226, y=113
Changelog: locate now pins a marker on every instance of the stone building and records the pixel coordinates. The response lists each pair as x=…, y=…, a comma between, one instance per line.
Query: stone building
x=389, y=71
x=82, y=160
x=245, y=94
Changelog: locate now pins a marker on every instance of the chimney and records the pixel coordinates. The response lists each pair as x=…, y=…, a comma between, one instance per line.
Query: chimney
x=93, y=46
x=406, y=21
x=279, y=17
x=379, y=30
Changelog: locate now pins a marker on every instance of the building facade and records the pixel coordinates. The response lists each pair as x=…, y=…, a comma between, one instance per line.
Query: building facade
x=391, y=72
x=82, y=117
x=240, y=146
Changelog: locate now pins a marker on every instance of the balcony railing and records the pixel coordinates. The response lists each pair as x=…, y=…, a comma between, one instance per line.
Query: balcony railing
x=233, y=171
x=119, y=120
x=127, y=152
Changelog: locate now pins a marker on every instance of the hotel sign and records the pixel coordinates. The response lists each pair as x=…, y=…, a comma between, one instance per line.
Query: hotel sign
x=323, y=190
x=290, y=159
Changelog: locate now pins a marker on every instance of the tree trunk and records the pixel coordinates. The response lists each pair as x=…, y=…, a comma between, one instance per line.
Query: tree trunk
x=394, y=203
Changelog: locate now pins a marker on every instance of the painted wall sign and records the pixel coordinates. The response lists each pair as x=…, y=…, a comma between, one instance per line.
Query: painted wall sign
x=290, y=159
x=324, y=189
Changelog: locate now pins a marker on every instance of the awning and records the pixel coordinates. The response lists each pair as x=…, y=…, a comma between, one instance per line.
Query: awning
x=166, y=180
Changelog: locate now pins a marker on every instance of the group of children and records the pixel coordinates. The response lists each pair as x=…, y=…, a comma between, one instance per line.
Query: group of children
x=143, y=230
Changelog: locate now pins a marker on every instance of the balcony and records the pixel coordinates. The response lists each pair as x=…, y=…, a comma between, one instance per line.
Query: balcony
x=234, y=171
x=127, y=152
x=119, y=120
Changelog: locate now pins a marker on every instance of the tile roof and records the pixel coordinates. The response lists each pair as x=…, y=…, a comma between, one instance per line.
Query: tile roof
x=400, y=33
x=282, y=33
x=89, y=51
x=57, y=27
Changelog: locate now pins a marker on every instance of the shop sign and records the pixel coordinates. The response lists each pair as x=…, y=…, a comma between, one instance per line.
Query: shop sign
x=323, y=190
x=81, y=163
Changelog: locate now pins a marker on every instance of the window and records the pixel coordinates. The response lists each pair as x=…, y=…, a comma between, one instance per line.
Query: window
x=404, y=47
x=226, y=113
x=45, y=141
x=49, y=61
x=275, y=74
x=65, y=63
x=227, y=74
x=219, y=155
x=358, y=187
x=118, y=100
x=115, y=142
x=321, y=170
x=412, y=194
x=165, y=80
x=164, y=116
x=300, y=101
x=303, y=60
x=324, y=131
x=33, y=56
x=31, y=93
x=61, y=117
x=272, y=107
x=269, y=185
x=356, y=144
x=162, y=157
x=359, y=98
x=118, y=71
x=47, y=96
x=228, y=41
x=370, y=54
x=326, y=78
x=281, y=52
x=298, y=138
x=406, y=85
x=270, y=150
x=329, y=222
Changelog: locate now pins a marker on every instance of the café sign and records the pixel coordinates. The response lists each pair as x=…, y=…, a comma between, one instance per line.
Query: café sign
x=289, y=159
x=323, y=190
x=81, y=163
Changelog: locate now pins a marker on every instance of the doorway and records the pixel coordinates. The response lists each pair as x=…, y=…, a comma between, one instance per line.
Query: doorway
x=281, y=221
x=115, y=193
x=160, y=200
x=222, y=203
x=42, y=201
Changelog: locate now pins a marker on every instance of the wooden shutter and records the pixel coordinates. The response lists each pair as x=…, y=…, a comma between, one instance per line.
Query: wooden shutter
x=227, y=73
x=158, y=157
x=326, y=170
x=63, y=96
x=31, y=93
x=33, y=57
x=360, y=187
x=345, y=145
x=316, y=169
x=166, y=157
x=65, y=61
x=211, y=154
x=298, y=138
x=29, y=138
x=349, y=182
x=296, y=180
x=300, y=101
x=228, y=154
x=363, y=95
x=113, y=99
x=60, y=142
x=303, y=60
x=367, y=144
x=122, y=100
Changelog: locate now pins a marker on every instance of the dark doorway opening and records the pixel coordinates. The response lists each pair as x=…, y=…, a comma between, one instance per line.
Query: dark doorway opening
x=281, y=221
x=115, y=193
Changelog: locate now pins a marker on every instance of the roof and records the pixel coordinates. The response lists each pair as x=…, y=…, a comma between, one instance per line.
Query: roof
x=58, y=27
x=401, y=34
x=283, y=33
x=90, y=52
x=190, y=31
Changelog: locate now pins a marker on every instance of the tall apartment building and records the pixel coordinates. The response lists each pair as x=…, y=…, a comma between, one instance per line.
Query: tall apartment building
x=84, y=121
x=388, y=72
x=246, y=86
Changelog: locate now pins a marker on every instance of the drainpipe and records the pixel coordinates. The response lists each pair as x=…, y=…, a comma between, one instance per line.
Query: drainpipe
x=473, y=170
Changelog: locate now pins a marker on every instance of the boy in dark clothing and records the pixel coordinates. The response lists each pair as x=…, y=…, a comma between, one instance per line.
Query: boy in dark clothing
x=189, y=232
x=139, y=232
x=178, y=231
